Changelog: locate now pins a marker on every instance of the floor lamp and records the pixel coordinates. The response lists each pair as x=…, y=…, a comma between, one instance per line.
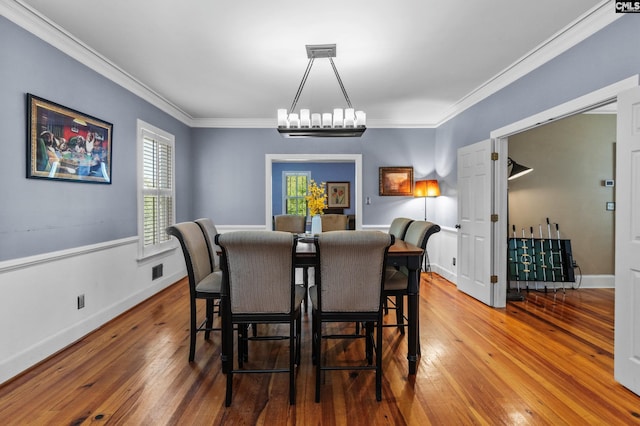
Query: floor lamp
x=426, y=189
x=517, y=170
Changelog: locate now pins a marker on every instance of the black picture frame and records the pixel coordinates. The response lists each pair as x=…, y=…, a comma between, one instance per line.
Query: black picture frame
x=67, y=145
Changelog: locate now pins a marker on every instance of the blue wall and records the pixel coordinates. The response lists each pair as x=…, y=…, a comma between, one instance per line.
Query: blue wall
x=229, y=167
x=607, y=57
x=320, y=172
x=39, y=216
x=220, y=172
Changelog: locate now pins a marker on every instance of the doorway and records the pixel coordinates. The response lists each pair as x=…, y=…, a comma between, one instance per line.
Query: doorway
x=587, y=102
x=356, y=159
x=572, y=185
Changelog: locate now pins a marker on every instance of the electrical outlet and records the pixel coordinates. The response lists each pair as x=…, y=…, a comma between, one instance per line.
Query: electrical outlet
x=81, y=301
x=454, y=261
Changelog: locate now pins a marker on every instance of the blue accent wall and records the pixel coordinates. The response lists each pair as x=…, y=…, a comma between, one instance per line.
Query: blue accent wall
x=320, y=172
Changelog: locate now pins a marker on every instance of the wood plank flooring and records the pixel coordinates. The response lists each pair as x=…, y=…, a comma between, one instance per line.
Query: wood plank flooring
x=545, y=361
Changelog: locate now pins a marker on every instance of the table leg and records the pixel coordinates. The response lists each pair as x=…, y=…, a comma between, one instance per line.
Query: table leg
x=413, y=296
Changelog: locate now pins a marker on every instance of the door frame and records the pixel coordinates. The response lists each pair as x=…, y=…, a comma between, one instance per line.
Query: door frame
x=584, y=103
x=315, y=158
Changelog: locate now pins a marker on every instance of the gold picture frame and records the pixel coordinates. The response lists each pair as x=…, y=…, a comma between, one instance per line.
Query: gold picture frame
x=396, y=181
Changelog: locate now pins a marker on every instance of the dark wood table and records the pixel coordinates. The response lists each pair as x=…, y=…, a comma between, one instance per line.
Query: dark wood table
x=400, y=254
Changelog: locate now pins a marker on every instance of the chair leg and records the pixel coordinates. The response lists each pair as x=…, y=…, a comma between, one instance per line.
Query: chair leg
x=298, y=337
x=292, y=358
x=369, y=342
x=209, y=322
x=229, y=391
x=379, y=360
x=228, y=361
x=194, y=329
x=305, y=280
x=400, y=312
x=318, y=353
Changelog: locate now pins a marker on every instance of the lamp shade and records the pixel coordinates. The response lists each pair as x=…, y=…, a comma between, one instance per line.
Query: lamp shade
x=426, y=188
x=517, y=170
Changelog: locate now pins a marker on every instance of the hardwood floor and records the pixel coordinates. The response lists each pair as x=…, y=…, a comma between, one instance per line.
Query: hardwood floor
x=546, y=360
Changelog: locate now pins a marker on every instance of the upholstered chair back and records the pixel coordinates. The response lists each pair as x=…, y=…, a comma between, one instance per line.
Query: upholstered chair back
x=351, y=270
x=209, y=230
x=399, y=227
x=334, y=222
x=289, y=223
x=195, y=250
x=259, y=270
x=418, y=234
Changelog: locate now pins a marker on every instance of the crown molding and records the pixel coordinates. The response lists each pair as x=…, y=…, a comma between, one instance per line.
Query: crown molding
x=32, y=21
x=586, y=25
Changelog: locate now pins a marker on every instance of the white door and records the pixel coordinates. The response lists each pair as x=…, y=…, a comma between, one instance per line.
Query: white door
x=475, y=182
x=627, y=299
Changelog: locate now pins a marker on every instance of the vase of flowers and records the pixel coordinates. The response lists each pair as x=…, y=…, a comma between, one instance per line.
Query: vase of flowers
x=316, y=202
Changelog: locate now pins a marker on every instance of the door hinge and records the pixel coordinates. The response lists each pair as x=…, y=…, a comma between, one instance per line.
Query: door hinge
x=494, y=156
x=494, y=218
x=494, y=279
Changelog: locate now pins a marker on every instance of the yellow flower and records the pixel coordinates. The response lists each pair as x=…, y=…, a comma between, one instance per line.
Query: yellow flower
x=316, y=198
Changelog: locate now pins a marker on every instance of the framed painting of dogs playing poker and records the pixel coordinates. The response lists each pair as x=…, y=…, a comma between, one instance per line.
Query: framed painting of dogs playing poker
x=64, y=144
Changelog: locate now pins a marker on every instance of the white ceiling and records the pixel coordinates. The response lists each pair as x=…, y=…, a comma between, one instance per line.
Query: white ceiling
x=411, y=63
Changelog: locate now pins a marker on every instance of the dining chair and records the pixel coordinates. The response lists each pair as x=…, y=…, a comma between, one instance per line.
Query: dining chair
x=204, y=282
x=210, y=231
x=289, y=223
x=334, y=222
x=397, y=279
x=399, y=226
x=398, y=229
x=258, y=288
x=349, y=282
x=295, y=224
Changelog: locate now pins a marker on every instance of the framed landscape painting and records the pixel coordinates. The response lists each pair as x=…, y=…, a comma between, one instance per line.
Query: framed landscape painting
x=396, y=181
x=64, y=144
x=338, y=195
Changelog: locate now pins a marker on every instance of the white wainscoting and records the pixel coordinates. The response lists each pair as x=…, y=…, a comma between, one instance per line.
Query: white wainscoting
x=38, y=307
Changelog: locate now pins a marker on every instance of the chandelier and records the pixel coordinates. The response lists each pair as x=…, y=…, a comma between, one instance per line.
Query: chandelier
x=345, y=122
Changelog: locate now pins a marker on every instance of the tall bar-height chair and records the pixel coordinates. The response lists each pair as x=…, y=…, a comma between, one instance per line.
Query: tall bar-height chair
x=399, y=226
x=349, y=282
x=397, y=280
x=289, y=223
x=334, y=222
x=210, y=231
x=296, y=225
x=398, y=229
x=259, y=288
x=204, y=282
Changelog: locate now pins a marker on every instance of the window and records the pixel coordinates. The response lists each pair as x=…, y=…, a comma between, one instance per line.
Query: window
x=156, y=206
x=294, y=185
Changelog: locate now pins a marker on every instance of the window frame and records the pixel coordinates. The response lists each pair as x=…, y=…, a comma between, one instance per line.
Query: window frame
x=285, y=195
x=148, y=131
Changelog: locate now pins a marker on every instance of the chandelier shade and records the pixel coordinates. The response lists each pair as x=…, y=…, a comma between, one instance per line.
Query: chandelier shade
x=341, y=122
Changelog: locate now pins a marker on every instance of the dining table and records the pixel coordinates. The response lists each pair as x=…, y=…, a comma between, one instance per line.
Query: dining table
x=400, y=254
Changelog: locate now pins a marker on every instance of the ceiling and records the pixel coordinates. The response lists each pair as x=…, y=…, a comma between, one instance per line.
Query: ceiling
x=413, y=63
